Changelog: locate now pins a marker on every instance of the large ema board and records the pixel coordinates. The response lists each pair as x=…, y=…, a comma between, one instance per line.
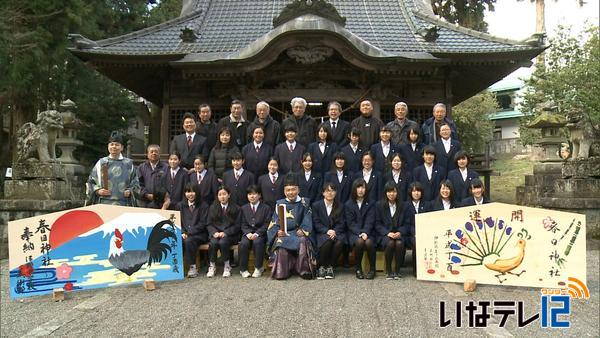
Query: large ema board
x=501, y=244
x=93, y=247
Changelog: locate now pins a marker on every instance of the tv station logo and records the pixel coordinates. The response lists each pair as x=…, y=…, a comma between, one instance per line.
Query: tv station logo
x=555, y=309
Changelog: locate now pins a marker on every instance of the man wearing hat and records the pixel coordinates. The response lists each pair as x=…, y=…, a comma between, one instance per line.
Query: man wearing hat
x=113, y=179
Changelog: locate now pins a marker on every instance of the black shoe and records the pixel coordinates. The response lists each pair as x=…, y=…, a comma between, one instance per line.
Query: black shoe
x=390, y=276
x=371, y=274
x=359, y=274
x=397, y=275
x=329, y=273
x=321, y=273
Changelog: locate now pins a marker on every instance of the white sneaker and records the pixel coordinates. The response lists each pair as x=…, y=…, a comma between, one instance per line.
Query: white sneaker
x=211, y=271
x=192, y=272
x=245, y=274
x=257, y=272
x=227, y=272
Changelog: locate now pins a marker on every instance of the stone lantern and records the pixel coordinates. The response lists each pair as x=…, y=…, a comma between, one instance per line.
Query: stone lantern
x=551, y=140
x=67, y=141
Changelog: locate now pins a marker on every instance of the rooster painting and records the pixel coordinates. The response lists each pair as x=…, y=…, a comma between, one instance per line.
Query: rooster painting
x=130, y=261
x=482, y=244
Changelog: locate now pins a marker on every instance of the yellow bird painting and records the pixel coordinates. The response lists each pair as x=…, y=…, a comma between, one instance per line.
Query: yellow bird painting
x=507, y=265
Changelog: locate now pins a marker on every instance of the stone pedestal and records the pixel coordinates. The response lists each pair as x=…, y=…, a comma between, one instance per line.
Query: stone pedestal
x=582, y=168
x=38, y=181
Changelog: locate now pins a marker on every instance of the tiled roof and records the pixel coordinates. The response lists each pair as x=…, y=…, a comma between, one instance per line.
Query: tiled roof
x=225, y=27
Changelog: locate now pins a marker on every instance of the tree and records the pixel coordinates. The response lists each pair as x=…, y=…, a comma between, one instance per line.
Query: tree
x=569, y=78
x=467, y=13
x=472, y=122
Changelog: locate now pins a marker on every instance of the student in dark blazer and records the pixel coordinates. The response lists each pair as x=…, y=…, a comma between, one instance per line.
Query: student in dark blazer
x=379, y=150
x=340, y=177
x=205, y=178
x=328, y=225
x=399, y=175
x=309, y=181
x=289, y=153
x=429, y=174
x=238, y=180
x=189, y=144
x=271, y=184
x=414, y=206
x=174, y=181
x=223, y=230
x=339, y=128
x=373, y=177
x=255, y=217
x=194, y=214
x=322, y=151
x=477, y=192
x=445, y=199
x=353, y=151
x=391, y=230
x=359, y=218
x=446, y=148
x=462, y=176
x=257, y=153
x=412, y=152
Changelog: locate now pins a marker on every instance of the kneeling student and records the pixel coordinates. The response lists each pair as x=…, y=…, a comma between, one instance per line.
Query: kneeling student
x=255, y=217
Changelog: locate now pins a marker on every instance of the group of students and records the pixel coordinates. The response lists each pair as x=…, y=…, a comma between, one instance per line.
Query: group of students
x=345, y=198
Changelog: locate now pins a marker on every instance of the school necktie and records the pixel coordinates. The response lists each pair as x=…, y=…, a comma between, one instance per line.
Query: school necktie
x=257, y=148
x=291, y=148
x=237, y=176
x=253, y=209
x=224, y=210
x=199, y=178
x=189, y=141
x=191, y=208
x=272, y=179
x=172, y=175
x=333, y=127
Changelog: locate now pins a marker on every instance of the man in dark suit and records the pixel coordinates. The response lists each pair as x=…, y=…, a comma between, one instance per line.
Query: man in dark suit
x=339, y=128
x=446, y=148
x=206, y=127
x=236, y=124
x=189, y=144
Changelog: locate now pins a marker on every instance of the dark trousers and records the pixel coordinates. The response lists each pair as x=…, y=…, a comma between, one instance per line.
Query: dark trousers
x=221, y=244
x=329, y=252
x=258, y=245
x=190, y=247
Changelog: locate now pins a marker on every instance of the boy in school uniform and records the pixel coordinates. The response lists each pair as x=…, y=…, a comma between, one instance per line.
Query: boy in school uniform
x=289, y=153
x=271, y=184
x=174, y=181
x=238, y=180
x=255, y=218
x=353, y=152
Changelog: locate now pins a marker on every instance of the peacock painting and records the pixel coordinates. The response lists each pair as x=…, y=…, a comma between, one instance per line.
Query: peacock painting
x=481, y=243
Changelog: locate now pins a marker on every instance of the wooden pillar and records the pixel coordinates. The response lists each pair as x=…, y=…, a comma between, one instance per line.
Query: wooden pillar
x=164, y=117
x=376, y=109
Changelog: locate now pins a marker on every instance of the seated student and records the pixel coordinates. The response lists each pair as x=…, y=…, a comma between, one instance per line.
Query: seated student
x=446, y=148
x=353, y=151
x=292, y=249
x=289, y=153
x=309, y=180
x=429, y=174
x=328, y=222
x=389, y=223
x=461, y=176
x=415, y=205
x=399, y=175
x=359, y=217
x=322, y=150
x=477, y=197
x=257, y=152
x=255, y=217
x=371, y=176
x=413, y=150
x=220, y=156
x=174, y=181
x=271, y=184
x=383, y=150
x=445, y=199
x=223, y=230
x=194, y=213
x=205, y=178
x=238, y=180
x=340, y=177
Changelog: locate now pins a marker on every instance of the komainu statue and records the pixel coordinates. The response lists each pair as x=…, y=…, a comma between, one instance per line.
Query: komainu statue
x=585, y=137
x=39, y=137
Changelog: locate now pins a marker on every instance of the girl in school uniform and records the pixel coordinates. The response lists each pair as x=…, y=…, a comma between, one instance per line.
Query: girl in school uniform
x=323, y=150
x=271, y=184
x=223, y=230
x=445, y=199
x=309, y=180
x=399, y=175
x=371, y=176
x=194, y=213
x=462, y=176
x=414, y=206
x=257, y=153
x=205, y=178
x=328, y=224
x=477, y=192
x=389, y=222
x=174, y=181
x=413, y=150
x=359, y=217
x=340, y=177
x=219, y=159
